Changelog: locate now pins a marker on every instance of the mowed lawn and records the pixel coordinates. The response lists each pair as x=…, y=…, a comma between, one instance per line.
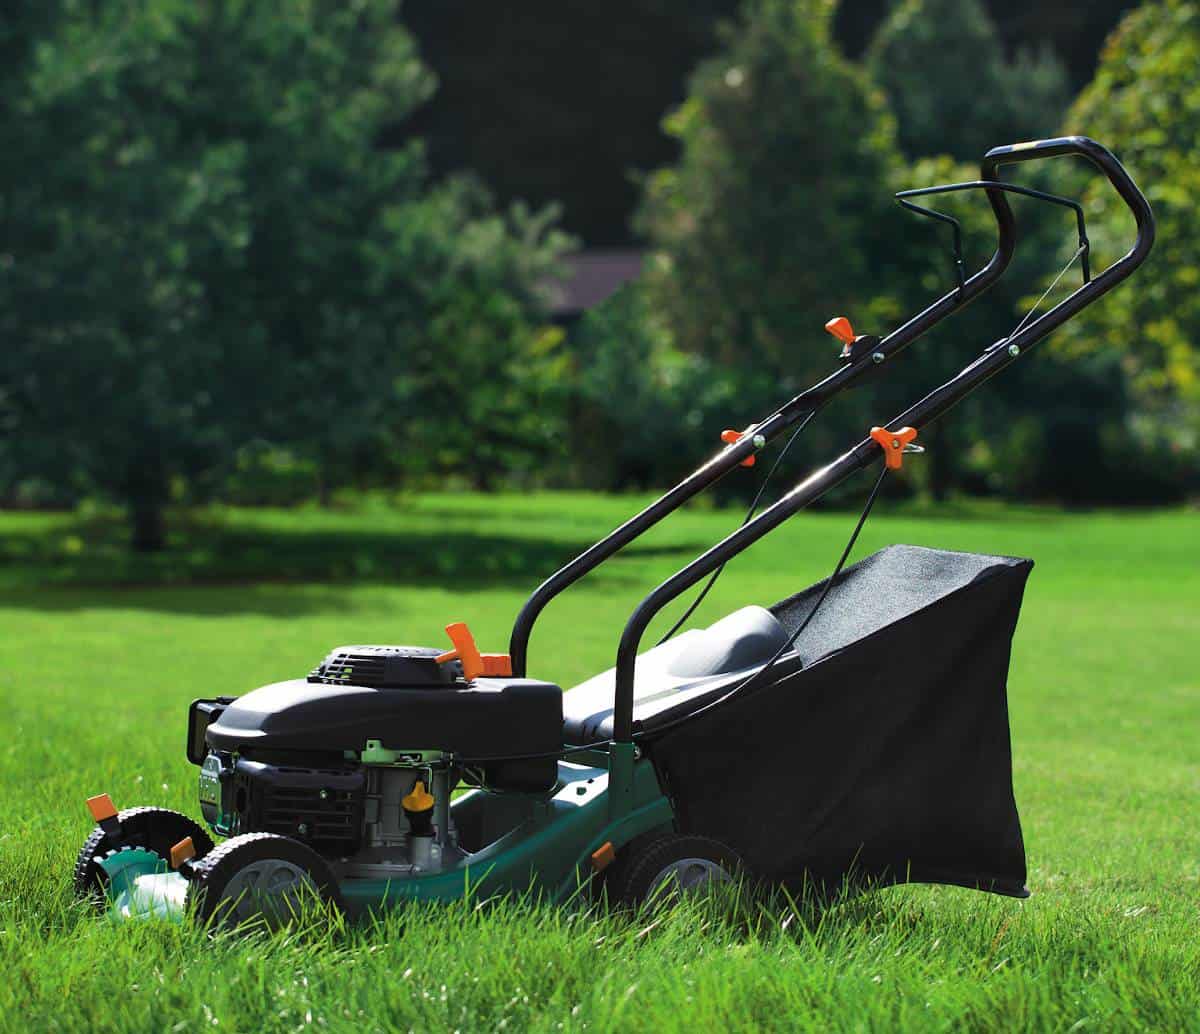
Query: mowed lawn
x=100, y=656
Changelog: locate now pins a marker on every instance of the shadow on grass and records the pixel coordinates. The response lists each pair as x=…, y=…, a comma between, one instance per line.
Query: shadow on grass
x=276, y=570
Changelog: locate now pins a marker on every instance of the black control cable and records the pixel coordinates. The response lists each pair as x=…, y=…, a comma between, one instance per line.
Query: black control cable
x=750, y=681
x=712, y=579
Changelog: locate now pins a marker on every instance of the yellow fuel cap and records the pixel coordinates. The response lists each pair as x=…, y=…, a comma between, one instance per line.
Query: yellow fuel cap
x=417, y=799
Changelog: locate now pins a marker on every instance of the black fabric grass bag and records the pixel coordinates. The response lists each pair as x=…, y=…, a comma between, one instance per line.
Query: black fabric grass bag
x=886, y=758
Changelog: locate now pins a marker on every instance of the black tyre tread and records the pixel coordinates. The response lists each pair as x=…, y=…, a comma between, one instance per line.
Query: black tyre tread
x=137, y=827
x=211, y=873
x=616, y=876
x=632, y=883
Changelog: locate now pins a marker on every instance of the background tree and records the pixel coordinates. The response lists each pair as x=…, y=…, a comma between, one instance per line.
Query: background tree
x=951, y=86
x=947, y=77
x=204, y=246
x=1146, y=100
x=777, y=215
x=643, y=410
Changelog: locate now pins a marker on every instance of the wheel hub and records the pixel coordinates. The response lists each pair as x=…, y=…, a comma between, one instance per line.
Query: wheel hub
x=686, y=876
x=272, y=888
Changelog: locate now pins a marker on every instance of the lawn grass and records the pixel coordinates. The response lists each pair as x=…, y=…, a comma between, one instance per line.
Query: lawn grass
x=101, y=654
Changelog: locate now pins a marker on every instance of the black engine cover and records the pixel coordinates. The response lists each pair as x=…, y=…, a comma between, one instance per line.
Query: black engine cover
x=490, y=717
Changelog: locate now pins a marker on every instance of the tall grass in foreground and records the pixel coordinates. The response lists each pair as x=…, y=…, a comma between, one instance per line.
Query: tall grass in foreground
x=915, y=958
x=1105, y=705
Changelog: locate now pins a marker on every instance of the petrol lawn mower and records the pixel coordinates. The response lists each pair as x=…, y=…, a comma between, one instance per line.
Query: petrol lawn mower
x=854, y=733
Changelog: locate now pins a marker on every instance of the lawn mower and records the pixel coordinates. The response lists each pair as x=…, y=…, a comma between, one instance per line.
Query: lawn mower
x=855, y=733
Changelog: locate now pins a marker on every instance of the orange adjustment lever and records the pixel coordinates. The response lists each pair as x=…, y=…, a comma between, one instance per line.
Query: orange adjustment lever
x=893, y=443
x=731, y=437
x=840, y=328
x=474, y=663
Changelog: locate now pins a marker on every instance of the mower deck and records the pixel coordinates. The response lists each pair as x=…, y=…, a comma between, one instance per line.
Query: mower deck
x=510, y=843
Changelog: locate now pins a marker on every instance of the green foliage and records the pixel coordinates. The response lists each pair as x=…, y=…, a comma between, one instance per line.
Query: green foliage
x=778, y=209
x=1145, y=100
x=954, y=92
x=214, y=251
x=482, y=379
x=777, y=215
x=645, y=410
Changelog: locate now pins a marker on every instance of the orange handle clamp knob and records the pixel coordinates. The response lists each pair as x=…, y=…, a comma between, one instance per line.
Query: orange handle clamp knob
x=731, y=437
x=892, y=443
x=474, y=663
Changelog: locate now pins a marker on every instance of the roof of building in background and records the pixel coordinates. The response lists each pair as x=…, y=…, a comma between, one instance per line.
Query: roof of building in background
x=592, y=276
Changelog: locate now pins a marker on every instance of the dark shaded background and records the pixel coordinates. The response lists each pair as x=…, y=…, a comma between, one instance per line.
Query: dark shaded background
x=561, y=100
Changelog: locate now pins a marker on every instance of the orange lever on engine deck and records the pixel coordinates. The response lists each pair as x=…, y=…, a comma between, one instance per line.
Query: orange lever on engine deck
x=474, y=663
x=893, y=443
x=731, y=437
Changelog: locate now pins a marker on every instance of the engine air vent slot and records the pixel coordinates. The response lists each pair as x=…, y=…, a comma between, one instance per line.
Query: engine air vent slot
x=383, y=667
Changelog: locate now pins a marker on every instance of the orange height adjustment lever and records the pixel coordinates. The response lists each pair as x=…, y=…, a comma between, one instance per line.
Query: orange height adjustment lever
x=893, y=443
x=840, y=328
x=474, y=663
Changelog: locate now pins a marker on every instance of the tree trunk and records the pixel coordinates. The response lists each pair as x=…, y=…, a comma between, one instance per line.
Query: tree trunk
x=482, y=479
x=146, y=494
x=149, y=526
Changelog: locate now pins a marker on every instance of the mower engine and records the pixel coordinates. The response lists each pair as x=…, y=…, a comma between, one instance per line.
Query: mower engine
x=359, y=760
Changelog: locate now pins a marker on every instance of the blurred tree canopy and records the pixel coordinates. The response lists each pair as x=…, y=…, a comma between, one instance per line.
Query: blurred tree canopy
x=1146, y=100
x=778, y=210
x=204, y=247
x=951, y=86
x=643, y=409
x=227, y=271
x=776, y=216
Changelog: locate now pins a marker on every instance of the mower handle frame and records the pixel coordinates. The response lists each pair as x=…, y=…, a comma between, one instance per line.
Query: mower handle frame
x=994, y=358
x=758, y=435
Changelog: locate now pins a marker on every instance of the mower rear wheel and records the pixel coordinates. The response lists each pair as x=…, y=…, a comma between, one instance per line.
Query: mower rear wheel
x=661, y=869
x=155, y=829
x=260, y=878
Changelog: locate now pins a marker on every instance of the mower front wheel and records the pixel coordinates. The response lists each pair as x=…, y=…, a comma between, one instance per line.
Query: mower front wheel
x=661, y=869
x=260, y=878
x=155, y=829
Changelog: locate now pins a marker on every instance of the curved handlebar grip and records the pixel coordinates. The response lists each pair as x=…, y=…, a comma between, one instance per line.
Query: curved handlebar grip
x=1105, y=161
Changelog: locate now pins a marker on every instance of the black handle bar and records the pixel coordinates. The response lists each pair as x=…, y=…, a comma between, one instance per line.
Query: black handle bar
x=1104, y=160
x=995, y=358
x=760, y=434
